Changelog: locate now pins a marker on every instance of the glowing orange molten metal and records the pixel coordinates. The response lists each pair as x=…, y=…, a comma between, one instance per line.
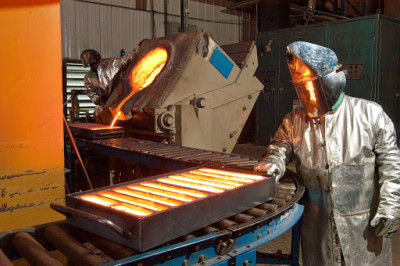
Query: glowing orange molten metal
x=115, y=119
x=181, y=183
x=134, y=201
x=148, y=68
x=149, y=196
x=161, y=192
x=144, y=73
x=115, y=204
x=230, y=174
x=185, y=191
x=145, y=198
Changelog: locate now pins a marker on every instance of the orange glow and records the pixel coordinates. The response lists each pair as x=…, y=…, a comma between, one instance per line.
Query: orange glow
x=99, y=200
x=214, y=179
x=115, y=119
x=134, y=201
x=148, y=68
x=163, y=193
x=144, y=73
x=185, y=191
x=128, y=208
x=160, y=194
x=190, y=185
x=310, y=88
x=245, y=180
x=302, y=74
x=148, y=196
x=192, y=178
x=233, y=174
x=114, y=204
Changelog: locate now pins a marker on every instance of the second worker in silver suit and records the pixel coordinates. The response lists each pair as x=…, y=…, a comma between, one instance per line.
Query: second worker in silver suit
x=347, y=158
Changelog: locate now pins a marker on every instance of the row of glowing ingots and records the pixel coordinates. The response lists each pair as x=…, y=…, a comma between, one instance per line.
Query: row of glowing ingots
x=145, y=198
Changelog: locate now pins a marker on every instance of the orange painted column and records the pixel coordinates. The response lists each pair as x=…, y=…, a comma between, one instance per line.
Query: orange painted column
x=31, y=124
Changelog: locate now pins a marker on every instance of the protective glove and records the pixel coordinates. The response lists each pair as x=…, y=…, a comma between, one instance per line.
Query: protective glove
x=385, y=225
x=269, y=169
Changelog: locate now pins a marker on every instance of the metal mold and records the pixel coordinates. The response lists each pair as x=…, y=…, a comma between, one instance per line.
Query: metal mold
x=96, y=131
x=145, y=232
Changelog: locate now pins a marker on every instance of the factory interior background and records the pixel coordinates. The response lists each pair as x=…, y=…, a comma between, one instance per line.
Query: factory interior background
x=203, y=111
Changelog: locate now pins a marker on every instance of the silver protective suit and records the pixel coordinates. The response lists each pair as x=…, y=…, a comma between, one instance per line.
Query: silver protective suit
x=349, y=162
x=99, y=85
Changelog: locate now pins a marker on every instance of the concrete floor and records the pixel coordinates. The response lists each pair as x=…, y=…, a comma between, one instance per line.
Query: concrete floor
x=283, y=242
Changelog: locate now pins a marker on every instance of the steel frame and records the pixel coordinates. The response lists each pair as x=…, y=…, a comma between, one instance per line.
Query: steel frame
x=206, y=250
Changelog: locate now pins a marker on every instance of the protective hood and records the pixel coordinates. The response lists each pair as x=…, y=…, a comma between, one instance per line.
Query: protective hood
x=314, y=71
x=89, y=57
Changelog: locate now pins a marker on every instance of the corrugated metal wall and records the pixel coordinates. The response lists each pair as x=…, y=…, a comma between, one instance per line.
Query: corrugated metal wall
x=110, y=25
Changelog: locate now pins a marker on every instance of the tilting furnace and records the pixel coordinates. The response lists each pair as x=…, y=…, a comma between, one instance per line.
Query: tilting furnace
x=186, y=88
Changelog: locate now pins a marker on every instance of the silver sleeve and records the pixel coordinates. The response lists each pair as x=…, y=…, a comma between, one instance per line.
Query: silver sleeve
x=281, y=148
x=388, y=166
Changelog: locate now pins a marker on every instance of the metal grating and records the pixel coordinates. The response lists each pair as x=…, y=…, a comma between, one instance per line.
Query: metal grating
x=132, y=147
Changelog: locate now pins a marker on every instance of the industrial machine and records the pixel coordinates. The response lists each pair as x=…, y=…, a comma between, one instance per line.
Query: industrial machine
x=196, y=100
x=365, y=47
x=186, y=89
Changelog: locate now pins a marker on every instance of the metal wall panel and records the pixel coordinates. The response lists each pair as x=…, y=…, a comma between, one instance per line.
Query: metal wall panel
x=110, y=25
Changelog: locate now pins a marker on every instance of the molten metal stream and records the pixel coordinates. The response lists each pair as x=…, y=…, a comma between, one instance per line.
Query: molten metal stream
x=115, y=119
x=144, y=73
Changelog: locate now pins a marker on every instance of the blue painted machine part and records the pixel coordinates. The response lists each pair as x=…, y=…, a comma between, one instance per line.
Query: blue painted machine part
x=202, y=250
x=221, y=62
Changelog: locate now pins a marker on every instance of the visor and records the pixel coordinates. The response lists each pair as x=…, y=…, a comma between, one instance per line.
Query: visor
x=308, y=87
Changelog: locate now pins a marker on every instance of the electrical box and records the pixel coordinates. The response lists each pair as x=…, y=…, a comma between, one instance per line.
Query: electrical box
x=368, y=48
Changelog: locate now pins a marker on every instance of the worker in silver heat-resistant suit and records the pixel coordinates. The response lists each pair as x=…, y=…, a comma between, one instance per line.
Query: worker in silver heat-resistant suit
x=99, y=79
x=347, y=158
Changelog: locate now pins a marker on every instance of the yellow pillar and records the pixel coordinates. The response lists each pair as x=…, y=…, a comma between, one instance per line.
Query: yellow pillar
x=31, y=127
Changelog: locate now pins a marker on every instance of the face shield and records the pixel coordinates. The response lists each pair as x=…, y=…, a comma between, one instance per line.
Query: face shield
x=307, y=86
x=313, y=71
